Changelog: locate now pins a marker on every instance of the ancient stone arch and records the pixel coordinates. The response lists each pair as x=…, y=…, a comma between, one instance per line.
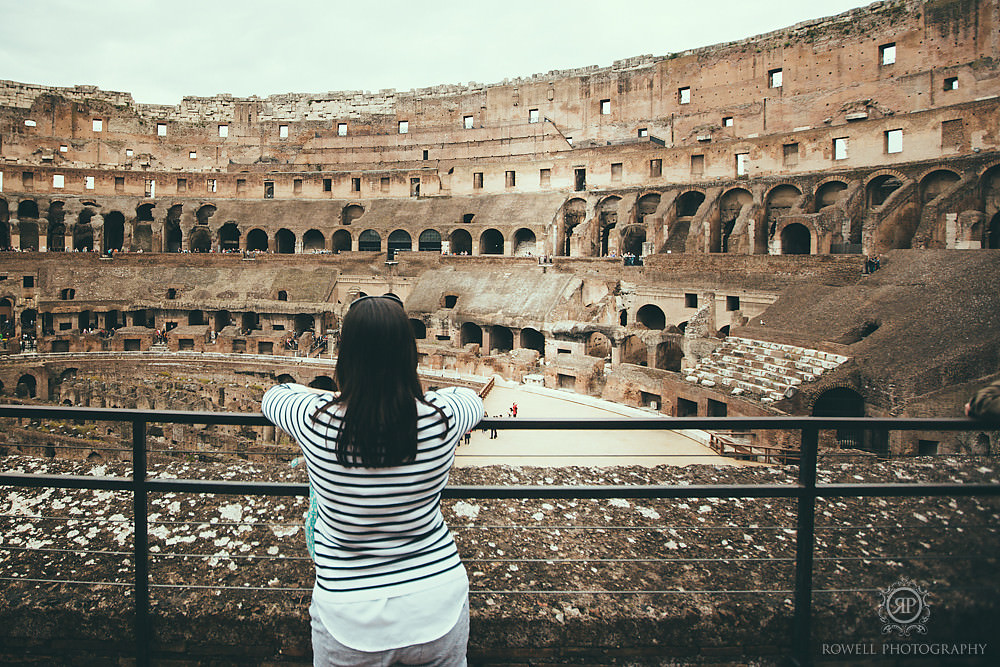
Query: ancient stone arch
x=369, y=241
x=460, y=242
x=341, y=241
x=471, y=333
x=491, y=242
x=313, y=241
x=524, y=243
x=574, y=212
x=429, y=241
x=399, y=240
x=351, y=213
x=257, y=240
x=229, y=236
x=533, y=339
x=829, y=193
x=651, y=316
x=284, y=241
x=607, y=220
x=935, y=182
x=796, y=238
x=730, y=206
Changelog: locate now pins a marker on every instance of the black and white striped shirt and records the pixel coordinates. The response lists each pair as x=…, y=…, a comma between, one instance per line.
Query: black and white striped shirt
x=379, y=531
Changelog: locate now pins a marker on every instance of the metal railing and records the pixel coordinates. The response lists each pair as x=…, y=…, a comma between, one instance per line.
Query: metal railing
x=804, y=492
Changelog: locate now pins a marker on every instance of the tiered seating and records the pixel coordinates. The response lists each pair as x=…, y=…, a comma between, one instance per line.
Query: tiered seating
x=761, y=368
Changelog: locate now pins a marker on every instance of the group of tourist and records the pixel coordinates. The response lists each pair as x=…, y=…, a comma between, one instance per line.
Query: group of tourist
x=872, y=264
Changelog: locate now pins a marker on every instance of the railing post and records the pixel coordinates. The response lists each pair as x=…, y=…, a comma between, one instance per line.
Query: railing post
x=801, y=624
x=140, y=540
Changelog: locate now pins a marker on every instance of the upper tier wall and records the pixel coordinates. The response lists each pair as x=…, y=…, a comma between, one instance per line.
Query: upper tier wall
x=883, y=60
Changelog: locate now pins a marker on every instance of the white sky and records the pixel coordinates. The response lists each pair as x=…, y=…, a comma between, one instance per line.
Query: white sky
x=162, y=50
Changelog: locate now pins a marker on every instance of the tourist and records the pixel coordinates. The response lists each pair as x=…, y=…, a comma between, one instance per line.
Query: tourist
x=389, y=584
x=985, y=404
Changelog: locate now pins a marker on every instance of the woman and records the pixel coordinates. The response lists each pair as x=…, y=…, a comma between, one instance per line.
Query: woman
x=390, y=588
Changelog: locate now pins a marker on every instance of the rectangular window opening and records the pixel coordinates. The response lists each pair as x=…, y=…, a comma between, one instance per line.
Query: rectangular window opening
x=840, y=148
x=161, y=129
x=690, y=300
x=296, y=186
x=741, y=164
x=951, y=83
x=211, y=185
x=98, y=125
x=605, y=107
x=894, y=141
x=223, y=131
x=532, y=115
x=510, y=179
x=643, y=132
x=616, y=171
x=727, y=121
x=384, y=184
x=119, y=184
x=58, y=180
x=268, y=189
x=790, y=154
x=775, y=78
x=88, y=182
x=193, y=155
x=404, y=126
x=887, y=54
x=327, y=185
x=544, y=177
x=580, y=179
x=182, y=185
x=356, y=184
x=656, y=168
x=341, y=129
x=282, y=131
x=150, y=187
x=697, y=165
x=467, y=122
x=241, y=185
x=684, y=95
x=732, y=303
x=477, y=180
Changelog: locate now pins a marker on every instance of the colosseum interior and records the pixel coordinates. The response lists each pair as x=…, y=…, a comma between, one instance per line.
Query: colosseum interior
x=803, y=222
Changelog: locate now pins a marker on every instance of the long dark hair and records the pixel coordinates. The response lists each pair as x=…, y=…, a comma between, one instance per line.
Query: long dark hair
x=379, y=387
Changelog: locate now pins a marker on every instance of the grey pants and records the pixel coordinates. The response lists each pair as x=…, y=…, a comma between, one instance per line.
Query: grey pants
x=447, y=651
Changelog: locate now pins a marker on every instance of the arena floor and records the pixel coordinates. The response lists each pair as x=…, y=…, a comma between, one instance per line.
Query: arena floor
x=553, y=448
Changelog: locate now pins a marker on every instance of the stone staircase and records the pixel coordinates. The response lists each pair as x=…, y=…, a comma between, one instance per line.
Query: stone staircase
x=761, y=369
x=161, y=348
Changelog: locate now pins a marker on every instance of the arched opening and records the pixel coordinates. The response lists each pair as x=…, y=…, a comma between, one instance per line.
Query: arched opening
x=829, y=194
x=204, y=213
x=491, y=243
x=532, y=339
x=880, y=188
x=142, y=237
x=313, y=241
x=991, y=236
x=83, y=233
x=502, y=339
x=795, y=240
x=29, y=318
x=56, y=236
x=419, y=329
x=285, y=378
x=229, y=237
x=369, y=241
x=779, y=202
x=574, y=212
x=646, y=205
x=341, y=241
x=668, y=356
x=429, y=241
x=114, y=231
x=689, y=203
x=607, y=219
x=6, y=317
x=29, y=234
x=936, y=182
x=399, y=240
x=651, y=317
x=201, y=240
x=845, y=402
x=172, y=236
x=284, y=241
x=27, y=209
x=27, y=386
x=730, y=206
x=257, y=240
x=351, y=213
x=598, y=345
x=524, y=243
x=460, y=242
x=471, y=333
x=304, y=322
x=4, y=224
x=323, y=383
x=623, y=317
x=144, y=212
x=633, y=351
x=633, y=237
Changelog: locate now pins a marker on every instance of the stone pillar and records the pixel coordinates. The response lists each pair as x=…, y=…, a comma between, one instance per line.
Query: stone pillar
x=15, y=233
x=97, y=226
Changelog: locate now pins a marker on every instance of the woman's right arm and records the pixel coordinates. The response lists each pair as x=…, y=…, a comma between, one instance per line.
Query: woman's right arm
x=288, y=406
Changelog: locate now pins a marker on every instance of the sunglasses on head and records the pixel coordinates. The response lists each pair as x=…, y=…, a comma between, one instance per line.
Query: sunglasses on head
x=390, y=297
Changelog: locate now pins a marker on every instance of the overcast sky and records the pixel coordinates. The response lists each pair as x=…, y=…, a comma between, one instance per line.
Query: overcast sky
x=162, y=50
